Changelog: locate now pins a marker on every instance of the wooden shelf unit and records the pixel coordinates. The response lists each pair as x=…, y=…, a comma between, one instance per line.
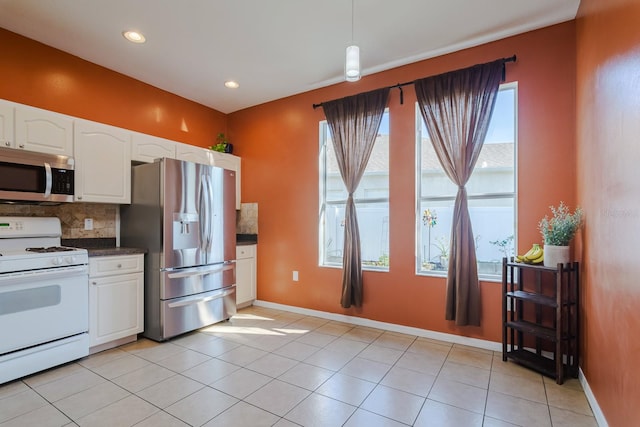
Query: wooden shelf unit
x=526, y=316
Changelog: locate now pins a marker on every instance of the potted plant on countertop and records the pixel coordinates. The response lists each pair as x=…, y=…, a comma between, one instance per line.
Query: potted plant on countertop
x=222, y=144
x=558, y=232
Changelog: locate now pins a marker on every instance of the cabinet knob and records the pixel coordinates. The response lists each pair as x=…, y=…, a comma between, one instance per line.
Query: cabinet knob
x=7, y=144
x=21, y=145
x=119, y=265
x=94, y=283
x=79, y=197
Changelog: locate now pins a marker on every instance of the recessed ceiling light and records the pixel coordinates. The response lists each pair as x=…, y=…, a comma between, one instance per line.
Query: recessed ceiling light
x=134, y=36
x=231, y=84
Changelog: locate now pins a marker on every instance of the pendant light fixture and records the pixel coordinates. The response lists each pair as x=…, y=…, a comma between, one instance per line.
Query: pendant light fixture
x=352, y=62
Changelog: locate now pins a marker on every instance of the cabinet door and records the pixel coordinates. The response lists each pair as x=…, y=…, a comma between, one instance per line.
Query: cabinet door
x=103, y=163
x=43, y=131
x=115, y=307
x=245, y=274
x=191, y=153
x=147, y=148
x=231, y=162
x=6, y=125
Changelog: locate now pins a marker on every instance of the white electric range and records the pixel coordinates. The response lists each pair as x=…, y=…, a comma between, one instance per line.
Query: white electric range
x=44, y=297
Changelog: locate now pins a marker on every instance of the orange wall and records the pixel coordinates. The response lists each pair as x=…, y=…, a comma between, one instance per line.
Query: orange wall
x=278, y=143
x=608, y=129
x=34, y=74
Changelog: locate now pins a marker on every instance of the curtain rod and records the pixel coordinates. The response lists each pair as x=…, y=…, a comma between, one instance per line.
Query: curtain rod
x=400, y=85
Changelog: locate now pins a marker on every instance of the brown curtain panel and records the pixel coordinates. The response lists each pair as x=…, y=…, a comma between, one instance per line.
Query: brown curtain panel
x=456, y=108
x=354, y=122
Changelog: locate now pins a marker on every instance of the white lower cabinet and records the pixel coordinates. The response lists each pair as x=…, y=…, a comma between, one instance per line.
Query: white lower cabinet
x=246, y=271
x=116, y=299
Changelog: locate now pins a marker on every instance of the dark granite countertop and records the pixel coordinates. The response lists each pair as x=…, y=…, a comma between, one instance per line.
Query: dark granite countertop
x=246, y=239
x=102, y=246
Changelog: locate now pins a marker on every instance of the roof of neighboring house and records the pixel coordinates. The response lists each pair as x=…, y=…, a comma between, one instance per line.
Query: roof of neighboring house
x=493, y=155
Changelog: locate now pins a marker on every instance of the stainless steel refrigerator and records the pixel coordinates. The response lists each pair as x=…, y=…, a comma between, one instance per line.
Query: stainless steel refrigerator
x=184, y=214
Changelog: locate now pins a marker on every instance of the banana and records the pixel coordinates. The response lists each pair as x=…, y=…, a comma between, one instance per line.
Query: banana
x=539, y=259
x=525, y=256
x=519, y=258
x=537, y=252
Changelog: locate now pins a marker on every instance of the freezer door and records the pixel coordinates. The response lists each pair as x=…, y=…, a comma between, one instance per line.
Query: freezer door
x=186, y=314
x=188, y=281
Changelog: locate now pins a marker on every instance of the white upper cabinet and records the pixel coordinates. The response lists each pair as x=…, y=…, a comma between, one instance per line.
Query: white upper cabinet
x=146, y=148
x=191, y=153
x=6, y=125
x=231, y=162
x=33, y=129
x=43, y=131
x=103, y=163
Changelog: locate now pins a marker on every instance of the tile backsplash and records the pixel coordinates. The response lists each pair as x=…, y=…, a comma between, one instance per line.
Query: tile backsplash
x=247, y=219
x=72, y=216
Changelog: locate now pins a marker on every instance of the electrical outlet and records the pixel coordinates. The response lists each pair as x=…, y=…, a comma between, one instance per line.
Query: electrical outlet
x=88, y=223
x=295, y=276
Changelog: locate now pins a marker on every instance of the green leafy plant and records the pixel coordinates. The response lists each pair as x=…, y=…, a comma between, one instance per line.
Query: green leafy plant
x=221, y=143
x=562, y=227
x=504, y=245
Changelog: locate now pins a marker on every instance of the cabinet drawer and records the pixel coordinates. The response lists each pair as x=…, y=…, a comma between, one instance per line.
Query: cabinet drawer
x=109, y=265
x=246, y=251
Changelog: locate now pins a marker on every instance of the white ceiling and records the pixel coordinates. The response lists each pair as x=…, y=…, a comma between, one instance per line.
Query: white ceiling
x=273, y=48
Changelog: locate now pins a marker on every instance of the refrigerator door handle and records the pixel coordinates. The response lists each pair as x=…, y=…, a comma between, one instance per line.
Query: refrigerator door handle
x=199, y=299
x=201, y=272
x=204, y=214
x=211, y=222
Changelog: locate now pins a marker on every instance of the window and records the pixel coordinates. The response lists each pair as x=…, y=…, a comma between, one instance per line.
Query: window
x=371, y=199
x=491, y=192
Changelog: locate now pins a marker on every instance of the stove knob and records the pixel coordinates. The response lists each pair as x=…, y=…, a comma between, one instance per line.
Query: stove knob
x=69, y=259
x=57, y=260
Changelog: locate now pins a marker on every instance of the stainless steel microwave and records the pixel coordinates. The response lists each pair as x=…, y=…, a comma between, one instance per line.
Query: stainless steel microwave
x=28, y=176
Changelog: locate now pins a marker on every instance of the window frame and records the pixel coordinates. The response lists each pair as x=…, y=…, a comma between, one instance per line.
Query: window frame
x=323, y=204
x=478, y=196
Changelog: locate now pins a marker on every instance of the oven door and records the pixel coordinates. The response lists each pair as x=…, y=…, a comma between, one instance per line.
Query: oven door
x=42, y=306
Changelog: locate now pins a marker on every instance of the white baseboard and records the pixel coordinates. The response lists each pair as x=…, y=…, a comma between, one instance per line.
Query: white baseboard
x=597, y=412
x=360, y=321
x=456, y=339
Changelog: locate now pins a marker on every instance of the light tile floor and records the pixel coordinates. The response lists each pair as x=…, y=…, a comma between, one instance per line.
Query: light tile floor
x=274, y=368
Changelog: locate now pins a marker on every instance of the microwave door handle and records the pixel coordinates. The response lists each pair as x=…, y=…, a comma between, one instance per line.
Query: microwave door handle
x=48, y=179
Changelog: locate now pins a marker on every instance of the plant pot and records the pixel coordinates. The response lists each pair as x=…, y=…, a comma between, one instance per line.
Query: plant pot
x=554, y=255
x=228, y=148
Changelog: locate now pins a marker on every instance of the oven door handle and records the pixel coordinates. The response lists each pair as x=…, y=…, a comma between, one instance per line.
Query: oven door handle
x=8, y=278
x=48, y=179
x=199, y=299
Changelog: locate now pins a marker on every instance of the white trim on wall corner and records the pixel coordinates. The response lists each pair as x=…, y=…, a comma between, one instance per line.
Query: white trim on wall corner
x=360, y=321
x=597, y=412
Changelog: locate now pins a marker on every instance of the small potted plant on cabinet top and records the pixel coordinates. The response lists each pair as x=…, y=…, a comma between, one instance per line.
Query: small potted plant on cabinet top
x=222, y=144
x=558, y=232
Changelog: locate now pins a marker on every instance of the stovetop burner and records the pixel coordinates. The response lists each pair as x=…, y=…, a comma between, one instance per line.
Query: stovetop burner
x=50, y=249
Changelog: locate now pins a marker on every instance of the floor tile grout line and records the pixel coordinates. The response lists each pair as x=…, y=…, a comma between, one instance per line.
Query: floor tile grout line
x=369, y=344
